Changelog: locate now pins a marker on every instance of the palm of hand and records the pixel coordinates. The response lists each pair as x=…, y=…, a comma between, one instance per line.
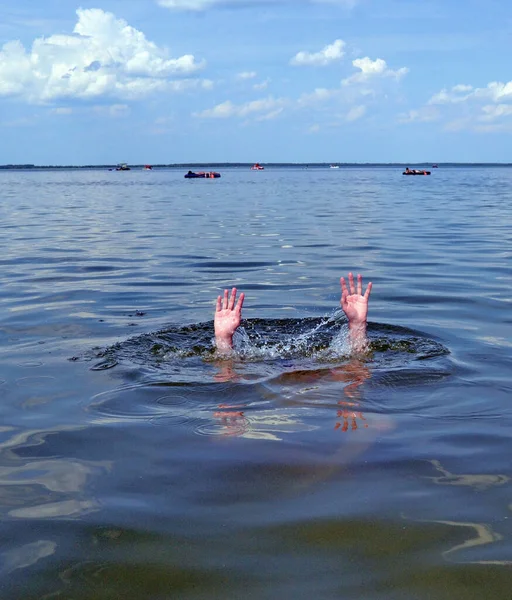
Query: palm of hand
x=227, y=321
x=355, y=307
x=353, y=302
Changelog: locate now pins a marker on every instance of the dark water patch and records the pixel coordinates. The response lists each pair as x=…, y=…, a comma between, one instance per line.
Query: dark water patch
x=36, y=260
x=91, y=269
x=160, y=283
x=238, y=266
x=313, y=245
x=266, y=340
x=430, y=299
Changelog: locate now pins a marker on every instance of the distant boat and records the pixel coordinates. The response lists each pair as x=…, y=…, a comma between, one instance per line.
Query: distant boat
x=334, y=167
x=147, y=168
x=123, y=167
x=415, y=172
x=434, y=166
x=202, y=175
x=257, y=167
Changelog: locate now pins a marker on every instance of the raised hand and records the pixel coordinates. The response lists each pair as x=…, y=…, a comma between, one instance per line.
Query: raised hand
x=353, y=302
x=228, y=315
x=355, y=306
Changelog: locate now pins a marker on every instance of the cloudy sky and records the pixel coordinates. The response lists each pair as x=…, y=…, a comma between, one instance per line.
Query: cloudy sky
x=165, y=81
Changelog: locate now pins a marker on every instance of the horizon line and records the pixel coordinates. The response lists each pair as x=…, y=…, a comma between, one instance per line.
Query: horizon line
x=248, y=164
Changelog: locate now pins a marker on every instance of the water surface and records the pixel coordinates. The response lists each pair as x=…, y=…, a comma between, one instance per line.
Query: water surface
x=135, y=464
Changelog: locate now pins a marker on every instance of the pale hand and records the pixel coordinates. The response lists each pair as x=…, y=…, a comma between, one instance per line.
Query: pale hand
x=228, y=316
x=353, y=302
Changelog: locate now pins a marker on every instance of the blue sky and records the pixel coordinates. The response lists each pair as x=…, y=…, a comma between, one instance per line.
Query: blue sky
x=166, y=81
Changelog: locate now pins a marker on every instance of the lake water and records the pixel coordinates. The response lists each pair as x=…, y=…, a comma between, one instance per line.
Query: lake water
x=135, y=465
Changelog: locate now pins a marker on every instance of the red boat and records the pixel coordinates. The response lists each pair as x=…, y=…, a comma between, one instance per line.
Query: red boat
x=257, y=167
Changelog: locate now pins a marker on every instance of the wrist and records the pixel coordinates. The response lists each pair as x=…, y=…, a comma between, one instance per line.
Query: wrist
x=355, y=326
x=224, y=343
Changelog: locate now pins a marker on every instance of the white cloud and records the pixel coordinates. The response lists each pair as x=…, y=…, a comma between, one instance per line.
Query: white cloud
x=495, y=111
x=373, y=68
x=114, y=110
x=318, y=96
x=181, y=85
x=271, y=115
x=246, y=75
x=220, y=111
x=462, y=88
x=458, y=93
x=465, y=107
x=104, y=56
x=356, y=113
x=271, y=107
x=263, y=85
x=496, y=91
x=200, y=5
x=422, y=115
x=331, y=53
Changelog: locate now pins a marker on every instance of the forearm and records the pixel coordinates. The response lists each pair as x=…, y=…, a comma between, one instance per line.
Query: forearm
x=357, y=336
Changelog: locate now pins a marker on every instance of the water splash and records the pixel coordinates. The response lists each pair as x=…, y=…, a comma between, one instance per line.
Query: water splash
x=188, y=352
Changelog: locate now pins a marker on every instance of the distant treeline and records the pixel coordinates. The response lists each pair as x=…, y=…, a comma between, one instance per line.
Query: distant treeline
x=246, y=165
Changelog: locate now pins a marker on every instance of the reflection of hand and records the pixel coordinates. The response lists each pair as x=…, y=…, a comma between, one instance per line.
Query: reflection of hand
x=345, y=414
x=227, y=319
x=225, y=372
x=233, y=422
x=355, y=373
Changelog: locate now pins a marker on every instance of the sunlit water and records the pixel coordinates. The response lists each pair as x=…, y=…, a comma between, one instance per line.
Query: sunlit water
x=136, y=464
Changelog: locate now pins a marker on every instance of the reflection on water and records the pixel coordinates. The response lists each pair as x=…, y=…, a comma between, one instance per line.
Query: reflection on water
x=483, y=535
x=26, y=555
x=476, y=481
x=34, y=486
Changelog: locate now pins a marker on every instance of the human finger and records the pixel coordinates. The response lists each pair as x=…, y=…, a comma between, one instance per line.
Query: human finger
x=351, y=283
x=368, y=290
x=218, y=308
x=344, y=295
x=232, y=299
x=225, y=300
x=359, y=284
x=240, y=302
x=343, y=285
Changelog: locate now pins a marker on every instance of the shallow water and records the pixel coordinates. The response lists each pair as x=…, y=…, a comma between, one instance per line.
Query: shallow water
x=134, y=464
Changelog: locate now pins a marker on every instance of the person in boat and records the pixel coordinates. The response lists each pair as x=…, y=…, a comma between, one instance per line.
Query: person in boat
x=228, y=314
x=407, y=170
